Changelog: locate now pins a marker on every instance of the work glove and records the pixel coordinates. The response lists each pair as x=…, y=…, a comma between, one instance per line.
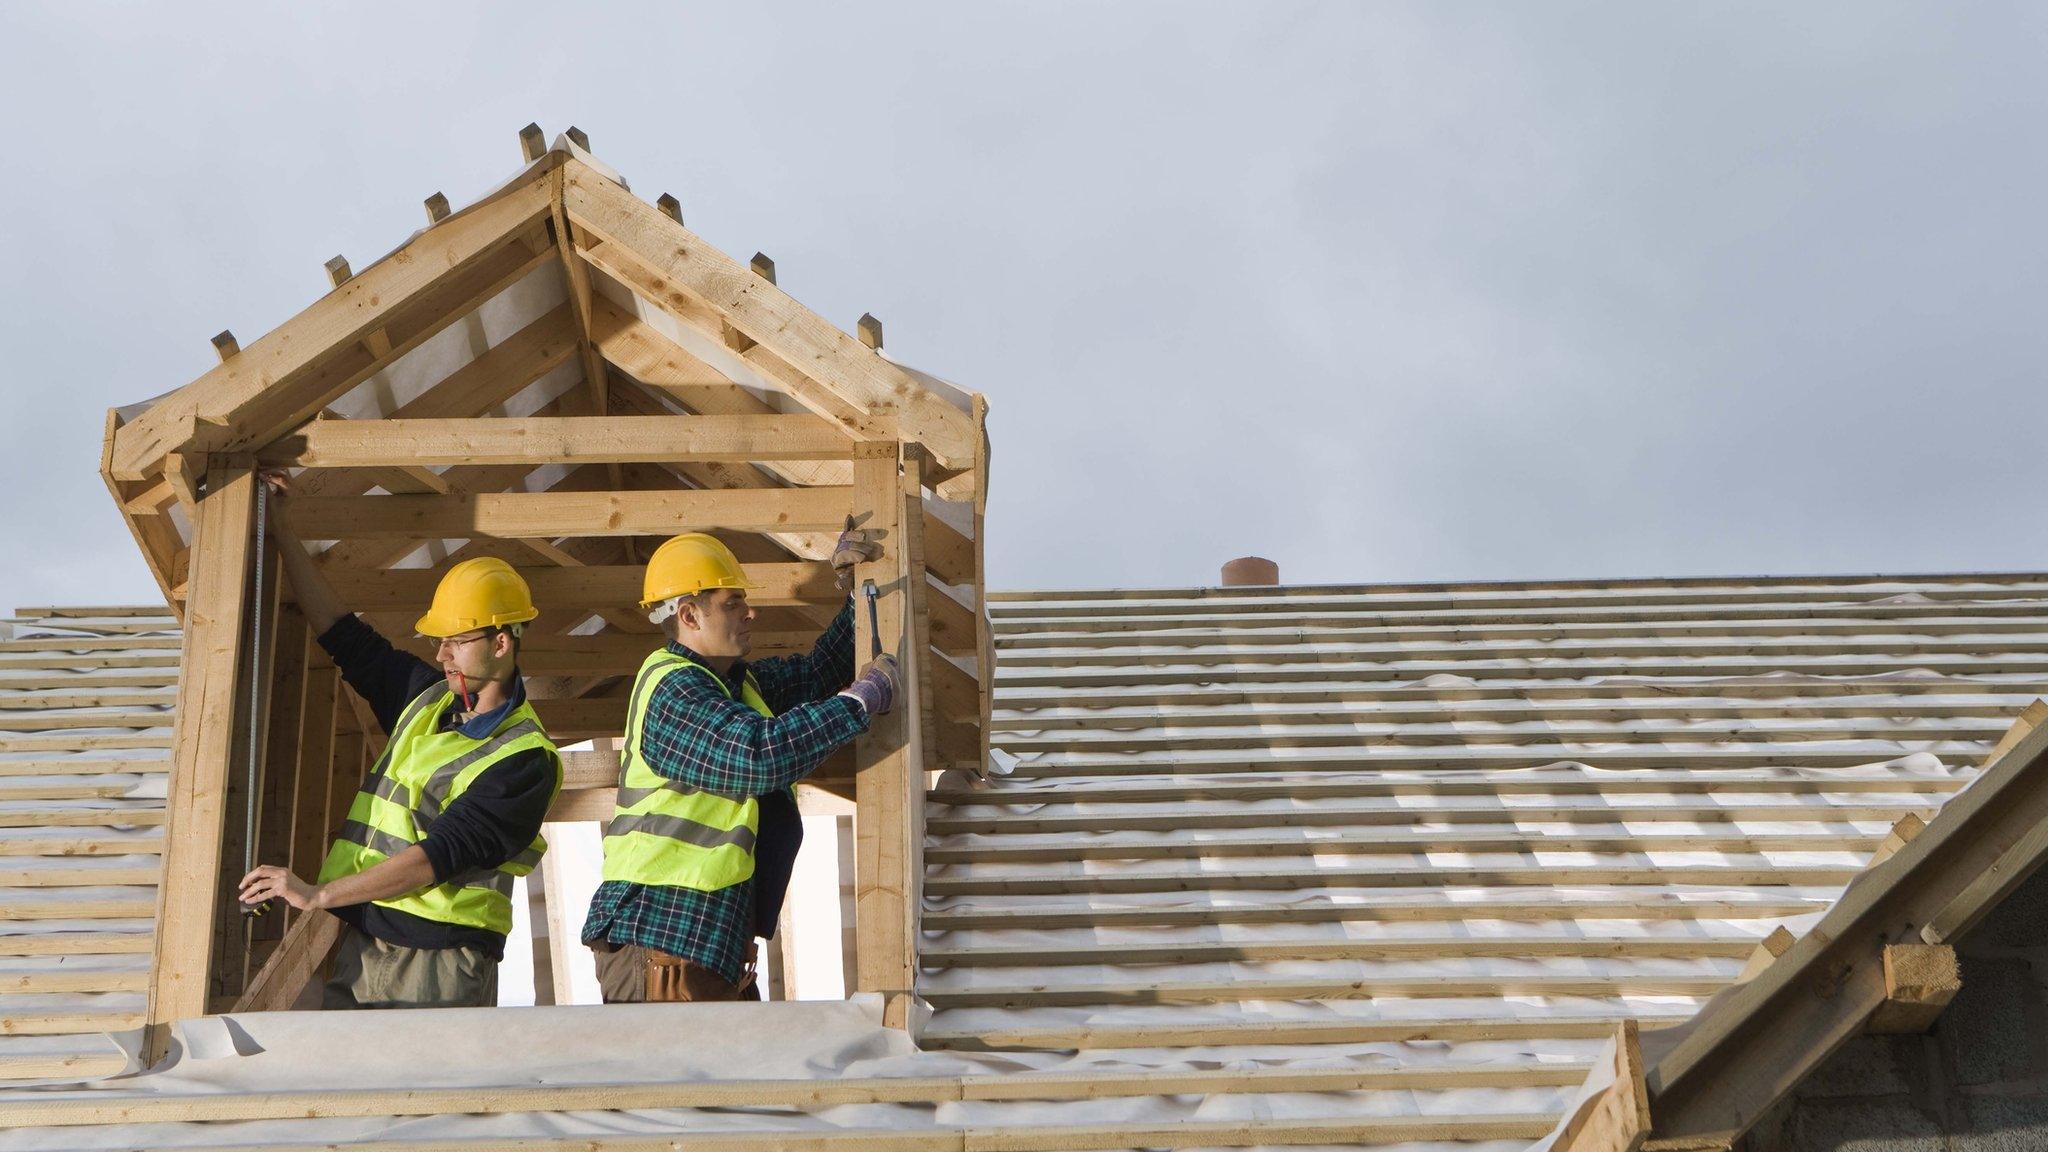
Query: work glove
x=875, y=687
x=853, y=547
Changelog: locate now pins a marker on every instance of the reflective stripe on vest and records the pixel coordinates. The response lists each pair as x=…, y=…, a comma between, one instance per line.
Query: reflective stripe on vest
x=423, y=770
x=665, y=831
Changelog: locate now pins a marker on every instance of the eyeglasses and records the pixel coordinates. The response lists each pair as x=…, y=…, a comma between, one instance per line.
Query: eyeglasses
x=447, y=642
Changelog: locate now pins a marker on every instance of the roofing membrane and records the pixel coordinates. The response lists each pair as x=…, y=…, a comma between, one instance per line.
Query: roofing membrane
x=85, y=713
x=1397, y=896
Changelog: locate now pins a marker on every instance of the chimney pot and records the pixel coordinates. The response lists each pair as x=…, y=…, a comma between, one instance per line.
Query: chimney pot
x=1250, y=572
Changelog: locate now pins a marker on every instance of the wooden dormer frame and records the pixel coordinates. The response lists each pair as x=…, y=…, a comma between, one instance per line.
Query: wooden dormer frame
x=652, y=439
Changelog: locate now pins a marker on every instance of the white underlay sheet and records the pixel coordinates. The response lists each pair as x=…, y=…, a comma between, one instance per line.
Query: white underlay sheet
x=1598, y=1079
x=43, y=727
x=615, y=1044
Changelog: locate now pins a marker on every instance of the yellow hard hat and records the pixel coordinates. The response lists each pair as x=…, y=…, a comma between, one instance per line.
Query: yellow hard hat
x=482, y=593
x=688, y=564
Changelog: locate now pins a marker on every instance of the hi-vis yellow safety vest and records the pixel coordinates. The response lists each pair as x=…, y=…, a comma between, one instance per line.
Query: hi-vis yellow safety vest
x=664, y=831
x=423, y=770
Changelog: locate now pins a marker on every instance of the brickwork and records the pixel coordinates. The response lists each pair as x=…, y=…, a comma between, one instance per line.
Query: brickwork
x=1977, y=1083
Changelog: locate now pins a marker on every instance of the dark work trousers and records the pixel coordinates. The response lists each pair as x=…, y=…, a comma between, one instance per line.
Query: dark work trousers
x=775, y=848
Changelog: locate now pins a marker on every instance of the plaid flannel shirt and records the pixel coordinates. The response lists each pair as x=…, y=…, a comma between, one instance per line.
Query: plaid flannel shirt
x=694, y=732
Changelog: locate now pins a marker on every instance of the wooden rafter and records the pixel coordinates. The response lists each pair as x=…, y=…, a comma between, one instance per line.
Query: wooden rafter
x=761, y=363
x=578, y=275
x=147, y=521
x=470, y=391
x=282, y=379
x=671, y=267
x=662, y=366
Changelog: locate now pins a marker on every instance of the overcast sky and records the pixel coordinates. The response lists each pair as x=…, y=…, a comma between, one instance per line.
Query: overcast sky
x=1381, y=291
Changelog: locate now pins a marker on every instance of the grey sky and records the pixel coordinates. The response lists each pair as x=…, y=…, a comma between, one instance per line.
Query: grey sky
x=1382, y=291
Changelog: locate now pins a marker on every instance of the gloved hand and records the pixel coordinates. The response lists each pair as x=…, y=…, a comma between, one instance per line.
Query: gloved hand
x=875, y=687
x=853, y=547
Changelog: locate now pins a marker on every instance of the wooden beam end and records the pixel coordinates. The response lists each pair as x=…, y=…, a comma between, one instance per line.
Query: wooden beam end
x=225, y=345
x=1902, y=834
x=1767, y=951
x=577, y=137
x=870, y=331
x=763, y=267
x=2023, y=726
x=337, y=271
x=670, y=207
x=437, y=208
x=734, y=339
x=1616, y=1119
x=533, y=143
x=1919, y=981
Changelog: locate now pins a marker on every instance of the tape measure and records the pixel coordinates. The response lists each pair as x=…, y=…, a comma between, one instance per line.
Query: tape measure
x=262, y=907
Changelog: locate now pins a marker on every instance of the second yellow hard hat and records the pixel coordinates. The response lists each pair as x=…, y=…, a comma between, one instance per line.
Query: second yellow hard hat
x=688, y=564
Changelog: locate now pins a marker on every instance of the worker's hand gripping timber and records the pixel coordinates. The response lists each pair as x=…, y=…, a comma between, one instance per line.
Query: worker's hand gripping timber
x=875, y=687
x=852, y=548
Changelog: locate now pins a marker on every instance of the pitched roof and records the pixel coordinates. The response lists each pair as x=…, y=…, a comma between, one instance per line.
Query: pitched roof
x=1366, y=865
x=85, y=712
x=1474, y=813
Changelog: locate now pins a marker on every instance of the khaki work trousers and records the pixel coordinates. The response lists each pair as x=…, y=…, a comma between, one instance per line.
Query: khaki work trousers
x=373, y=973
x=632, y=974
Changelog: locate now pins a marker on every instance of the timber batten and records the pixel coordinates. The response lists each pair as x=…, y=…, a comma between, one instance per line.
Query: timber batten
x=81, y=839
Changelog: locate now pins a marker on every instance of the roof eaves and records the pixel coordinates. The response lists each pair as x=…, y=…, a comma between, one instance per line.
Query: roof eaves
x=1713, y=1077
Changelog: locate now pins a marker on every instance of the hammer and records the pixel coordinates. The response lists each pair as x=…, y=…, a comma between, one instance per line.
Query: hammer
x=869, y=590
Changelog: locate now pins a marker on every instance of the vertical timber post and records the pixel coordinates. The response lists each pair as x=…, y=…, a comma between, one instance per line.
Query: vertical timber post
x=561, y=944
x=984, y=629
x=918, y=675
x=849, y=934
x=889, y=776
x=191, y=898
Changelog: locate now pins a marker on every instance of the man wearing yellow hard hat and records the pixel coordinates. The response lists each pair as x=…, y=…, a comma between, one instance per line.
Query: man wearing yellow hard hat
x=698, y=850
x=422, y=873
